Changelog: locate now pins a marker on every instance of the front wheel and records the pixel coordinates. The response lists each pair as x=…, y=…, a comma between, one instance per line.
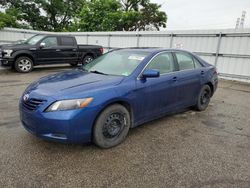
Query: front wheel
x=203, y=98
x=112, y=126
x=23, y=64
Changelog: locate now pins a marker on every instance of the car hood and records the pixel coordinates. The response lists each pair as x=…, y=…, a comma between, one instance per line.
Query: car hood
x=71, y=83
x=16, y=46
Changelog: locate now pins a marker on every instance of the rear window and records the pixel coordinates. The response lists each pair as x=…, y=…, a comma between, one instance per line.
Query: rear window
x=67, y=41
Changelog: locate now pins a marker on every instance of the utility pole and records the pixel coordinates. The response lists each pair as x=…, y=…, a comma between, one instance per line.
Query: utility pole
x=242, y=20
x=237, y=23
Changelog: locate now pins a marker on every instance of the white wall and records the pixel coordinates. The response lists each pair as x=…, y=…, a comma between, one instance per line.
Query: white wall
x=228, y=49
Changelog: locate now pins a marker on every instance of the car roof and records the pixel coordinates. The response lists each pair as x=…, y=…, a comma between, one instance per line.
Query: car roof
x=151, y=49
x=55, y=35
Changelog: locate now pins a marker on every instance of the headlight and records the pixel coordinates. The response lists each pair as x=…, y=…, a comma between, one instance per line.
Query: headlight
x=69, y=104
x=7, y=52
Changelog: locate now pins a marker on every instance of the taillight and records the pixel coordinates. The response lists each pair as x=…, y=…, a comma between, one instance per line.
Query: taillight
x=101, y=50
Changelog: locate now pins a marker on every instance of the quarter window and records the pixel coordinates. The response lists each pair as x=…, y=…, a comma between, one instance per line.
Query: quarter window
x=50, y=42
x=163, y=62
x=185, y=61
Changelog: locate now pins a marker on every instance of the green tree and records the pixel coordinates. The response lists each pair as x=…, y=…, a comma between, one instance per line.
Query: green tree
x=152, y=16
x=120, y=15
x=48, y=15
x=129, y=5
x=131, y=20
x=141, y=13
x=82, y=15
x=100, y=15
x=9, y=18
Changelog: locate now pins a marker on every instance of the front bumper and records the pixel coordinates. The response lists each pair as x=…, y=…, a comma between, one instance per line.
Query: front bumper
x=6, y=61
x=73, y=126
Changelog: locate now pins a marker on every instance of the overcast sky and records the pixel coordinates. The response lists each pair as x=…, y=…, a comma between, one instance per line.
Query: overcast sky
x=204, y=14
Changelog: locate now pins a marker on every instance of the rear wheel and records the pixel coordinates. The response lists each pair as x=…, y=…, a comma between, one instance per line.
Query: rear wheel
x=87, y=59
x=23, y=64
x=203, y=98
x=112, y=126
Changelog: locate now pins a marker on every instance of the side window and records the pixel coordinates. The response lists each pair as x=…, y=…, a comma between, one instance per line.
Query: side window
x=185, y=61
x=163, y=62
x=50, y=42
x=67, y=41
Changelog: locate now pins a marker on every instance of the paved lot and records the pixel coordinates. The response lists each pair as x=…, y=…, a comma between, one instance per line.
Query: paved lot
x=189, y=149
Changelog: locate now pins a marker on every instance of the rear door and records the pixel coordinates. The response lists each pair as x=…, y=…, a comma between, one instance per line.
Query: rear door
x=68, y=49
x=188, y=79
x=49, y=53
x=157, y=95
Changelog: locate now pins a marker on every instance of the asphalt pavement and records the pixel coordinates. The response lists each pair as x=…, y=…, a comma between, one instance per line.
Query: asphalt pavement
x=188, y=149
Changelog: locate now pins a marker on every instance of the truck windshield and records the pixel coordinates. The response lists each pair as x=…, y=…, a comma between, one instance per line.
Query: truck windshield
x=120, y=62
x=33, y=40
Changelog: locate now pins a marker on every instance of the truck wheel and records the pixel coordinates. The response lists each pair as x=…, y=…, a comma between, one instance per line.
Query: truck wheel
x=203, y=98
x=23, y=64
x=112, y=126
x=87, y=59
x=75, y=64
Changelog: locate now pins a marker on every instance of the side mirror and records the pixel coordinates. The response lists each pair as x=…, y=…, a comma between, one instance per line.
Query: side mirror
x=42, y=45
x=150, y=73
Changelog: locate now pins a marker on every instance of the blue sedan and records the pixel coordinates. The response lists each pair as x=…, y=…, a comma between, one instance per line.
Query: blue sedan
x=120, y=90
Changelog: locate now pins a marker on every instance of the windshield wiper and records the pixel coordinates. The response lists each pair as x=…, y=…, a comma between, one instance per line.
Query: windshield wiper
x=97, y=72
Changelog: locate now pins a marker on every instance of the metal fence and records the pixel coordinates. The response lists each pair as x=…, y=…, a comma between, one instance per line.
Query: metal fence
x=228, y=50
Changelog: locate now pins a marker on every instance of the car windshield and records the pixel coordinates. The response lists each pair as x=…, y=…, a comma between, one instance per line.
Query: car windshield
x=20, y=41
x=33, y=40
x=120, y=62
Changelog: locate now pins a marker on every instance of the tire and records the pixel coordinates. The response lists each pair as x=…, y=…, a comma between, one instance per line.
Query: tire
x=87, y=59
x=203, y=98
x=75, y=64
x=112, y=126
x=23, y=64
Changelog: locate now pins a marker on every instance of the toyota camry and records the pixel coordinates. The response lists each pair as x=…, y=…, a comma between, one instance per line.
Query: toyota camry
x=120, y=90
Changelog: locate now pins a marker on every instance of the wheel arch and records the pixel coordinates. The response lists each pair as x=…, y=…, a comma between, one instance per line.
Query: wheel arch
x=24, y=55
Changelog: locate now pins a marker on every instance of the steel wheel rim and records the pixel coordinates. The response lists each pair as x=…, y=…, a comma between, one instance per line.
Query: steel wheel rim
x=114, y=125
x=205, y=97
x=24, y=65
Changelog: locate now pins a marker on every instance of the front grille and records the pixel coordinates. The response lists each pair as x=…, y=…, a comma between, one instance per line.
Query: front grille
x=32, y=104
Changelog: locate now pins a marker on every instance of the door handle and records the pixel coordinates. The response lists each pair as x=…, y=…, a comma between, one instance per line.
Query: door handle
x=202, y=73
x=74, y=50
x=58, y=50
x=175, y=79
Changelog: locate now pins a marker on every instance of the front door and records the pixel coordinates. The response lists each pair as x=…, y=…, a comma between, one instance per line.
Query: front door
x=157, y=96
x=49, y=51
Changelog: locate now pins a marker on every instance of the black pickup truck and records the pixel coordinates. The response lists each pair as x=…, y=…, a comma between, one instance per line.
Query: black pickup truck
x=47, y=49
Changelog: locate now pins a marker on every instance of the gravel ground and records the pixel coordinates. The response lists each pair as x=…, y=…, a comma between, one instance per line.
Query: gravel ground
x=189, y=149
